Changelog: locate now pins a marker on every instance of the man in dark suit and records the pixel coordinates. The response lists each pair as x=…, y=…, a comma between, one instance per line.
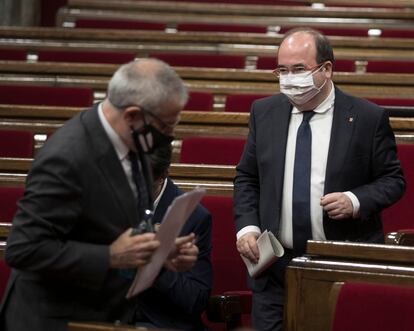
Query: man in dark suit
x=318, y=164
x=177, y=300
x=72, y=234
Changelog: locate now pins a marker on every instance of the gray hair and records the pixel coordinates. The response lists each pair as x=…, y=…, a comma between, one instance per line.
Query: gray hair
x=147, y=83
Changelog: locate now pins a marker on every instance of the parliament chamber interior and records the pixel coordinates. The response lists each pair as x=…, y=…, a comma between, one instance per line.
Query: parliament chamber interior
x=57, y=61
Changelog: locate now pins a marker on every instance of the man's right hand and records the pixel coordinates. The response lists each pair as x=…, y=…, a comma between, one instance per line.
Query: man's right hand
x=247, y=246
x=132, y=251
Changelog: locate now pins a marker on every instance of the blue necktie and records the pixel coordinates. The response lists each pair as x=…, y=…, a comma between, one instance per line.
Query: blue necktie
x=301, y=216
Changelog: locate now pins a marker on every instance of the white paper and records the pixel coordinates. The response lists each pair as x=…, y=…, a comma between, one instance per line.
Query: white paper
x=175, y=217
x=270, y=250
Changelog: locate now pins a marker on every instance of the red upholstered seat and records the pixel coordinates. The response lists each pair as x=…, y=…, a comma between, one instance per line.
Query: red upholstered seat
x=241, y=102
x=200, y=101
x=229, y=270
x=329, y=31
x=13, y=55
x=373, y=307
x=401, y=215
x=220, y=27
x=4, y=276
x=46, y=95
x=14, y=143
x=391, y=33
x=86, y=57
x=119, y=24
x=202, y=60
x=256, y=2
x=402, y=67
x=211, y=150
x=266, y=62
x=229, y=276
x=8, y=202
x=392, y=102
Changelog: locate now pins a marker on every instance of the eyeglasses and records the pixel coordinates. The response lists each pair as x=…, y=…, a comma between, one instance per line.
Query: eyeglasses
x=163, y=126
x=295, y=69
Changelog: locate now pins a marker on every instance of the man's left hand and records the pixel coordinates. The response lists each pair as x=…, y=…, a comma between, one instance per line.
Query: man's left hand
x=337, y=205
x=184, y=256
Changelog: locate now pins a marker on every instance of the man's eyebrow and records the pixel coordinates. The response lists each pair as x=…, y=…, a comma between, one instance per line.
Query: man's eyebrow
x=293, y=65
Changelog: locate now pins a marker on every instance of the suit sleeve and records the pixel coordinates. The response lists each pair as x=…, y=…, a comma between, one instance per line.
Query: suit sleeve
x=246, y=182
x=190, y=290
x=387, y=182
x=40, y=237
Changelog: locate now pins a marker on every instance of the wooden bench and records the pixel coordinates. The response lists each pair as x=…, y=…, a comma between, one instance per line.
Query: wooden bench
x=215, y=80
x=264, y=15
x=216, y=179
x=310, y=278
x=143, y=42
x=274, y=10
x=41, y=120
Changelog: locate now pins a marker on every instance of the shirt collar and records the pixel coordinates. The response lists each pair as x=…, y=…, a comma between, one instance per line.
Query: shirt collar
x=325, y=105
x=120, y=148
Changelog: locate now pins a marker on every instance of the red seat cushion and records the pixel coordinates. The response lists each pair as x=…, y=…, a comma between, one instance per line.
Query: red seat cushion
x=86, y=57
x=402, y=67
x=392, y=102
x=391, y=33
x=201, y=60
x=329, y=31
x=14, y=143
x=401, y=214
x=119, y=24
x=220, y=27
x=373, y=307
x=211, y=150
x=46, y=95
x=13, y=55
x=229, y=270
x=8, y=202
x=200, y=101
x=241, y=102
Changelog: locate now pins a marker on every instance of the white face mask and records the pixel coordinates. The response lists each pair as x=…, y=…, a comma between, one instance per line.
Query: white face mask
x=299, y=88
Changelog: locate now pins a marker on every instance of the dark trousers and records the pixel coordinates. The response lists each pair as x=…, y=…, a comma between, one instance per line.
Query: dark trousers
x=268, y=303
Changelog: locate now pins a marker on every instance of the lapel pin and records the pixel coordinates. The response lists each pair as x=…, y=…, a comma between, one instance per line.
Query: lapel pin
x=351, y=119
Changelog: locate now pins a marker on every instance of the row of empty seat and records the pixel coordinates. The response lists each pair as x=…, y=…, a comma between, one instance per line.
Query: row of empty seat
x=237, y=28
x=197, y=60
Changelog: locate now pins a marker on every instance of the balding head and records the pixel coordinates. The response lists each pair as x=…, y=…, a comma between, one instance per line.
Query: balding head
x=314, y=41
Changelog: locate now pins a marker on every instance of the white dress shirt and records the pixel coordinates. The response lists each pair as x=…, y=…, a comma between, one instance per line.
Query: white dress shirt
x=121, y=148
x=321, y=125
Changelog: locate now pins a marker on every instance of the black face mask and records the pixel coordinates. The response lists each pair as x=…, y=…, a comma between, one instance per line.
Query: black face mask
x=148, y=138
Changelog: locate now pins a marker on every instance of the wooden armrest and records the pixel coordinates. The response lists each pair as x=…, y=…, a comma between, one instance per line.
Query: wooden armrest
x=229, y=307
x=401, y=237
x=333, y=298
x=4, y=230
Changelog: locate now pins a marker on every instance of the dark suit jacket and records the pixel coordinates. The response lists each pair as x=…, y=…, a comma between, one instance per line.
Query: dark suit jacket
x=361, y=158
x=77, y=202
x=177, y=299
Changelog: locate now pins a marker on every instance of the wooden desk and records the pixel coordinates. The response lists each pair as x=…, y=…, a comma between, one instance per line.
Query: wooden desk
x=216, y=81
x=141, y=43
x=216, y=179
x=262, y=15
x=293, y=10
x=310, y=278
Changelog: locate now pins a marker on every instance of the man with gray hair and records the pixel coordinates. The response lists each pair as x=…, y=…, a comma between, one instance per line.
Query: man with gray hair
x=78, y=230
